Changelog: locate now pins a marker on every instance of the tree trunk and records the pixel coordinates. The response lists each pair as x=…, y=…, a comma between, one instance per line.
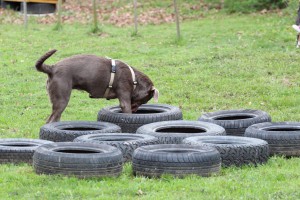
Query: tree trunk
x=177, y=19
x=59, y=11
x=135, y=17
x=95, y=28
x=25, y=14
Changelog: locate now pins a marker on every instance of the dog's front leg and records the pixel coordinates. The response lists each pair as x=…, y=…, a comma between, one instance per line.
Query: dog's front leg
x=126, y=107
x=125, y=104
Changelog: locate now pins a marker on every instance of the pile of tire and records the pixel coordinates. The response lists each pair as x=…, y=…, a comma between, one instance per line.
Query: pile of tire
x=158, y=142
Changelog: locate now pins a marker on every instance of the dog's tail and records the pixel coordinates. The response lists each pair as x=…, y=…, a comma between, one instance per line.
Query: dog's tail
x=40, y=66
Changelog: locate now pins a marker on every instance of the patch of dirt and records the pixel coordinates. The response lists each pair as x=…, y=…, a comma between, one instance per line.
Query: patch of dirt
x=287, y=82
x=118, y=16
x=10, y=17
x=109, y=12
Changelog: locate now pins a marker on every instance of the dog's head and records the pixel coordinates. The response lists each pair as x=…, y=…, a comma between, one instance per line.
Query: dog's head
x=142, y=97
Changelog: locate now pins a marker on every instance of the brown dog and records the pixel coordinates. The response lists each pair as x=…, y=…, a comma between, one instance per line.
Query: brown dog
x=96, y=76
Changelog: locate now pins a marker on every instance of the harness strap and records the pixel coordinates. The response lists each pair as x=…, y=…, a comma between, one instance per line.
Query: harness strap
x=112, y=77
x=133, y=76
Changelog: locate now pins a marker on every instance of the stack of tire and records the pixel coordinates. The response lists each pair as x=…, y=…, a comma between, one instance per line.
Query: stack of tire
x=159, y=141
x=156, y=141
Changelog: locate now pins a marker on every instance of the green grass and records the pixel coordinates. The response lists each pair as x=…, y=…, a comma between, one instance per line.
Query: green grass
x=221, y=62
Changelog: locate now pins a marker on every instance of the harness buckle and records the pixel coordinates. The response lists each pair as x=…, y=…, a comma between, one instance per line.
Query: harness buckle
x=113, y=66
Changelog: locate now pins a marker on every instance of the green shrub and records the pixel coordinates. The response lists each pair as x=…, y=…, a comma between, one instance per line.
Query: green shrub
x=248, y=6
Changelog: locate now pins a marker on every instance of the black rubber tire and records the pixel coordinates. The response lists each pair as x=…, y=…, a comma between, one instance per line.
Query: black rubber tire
x=39, y=8
x=173, y=132
x=146, y=114
x=82, y=160
x=235, y=122
x=175, y=159
x=67, y=131
x=19, y=150
x=283, y=137
x=235, y=150
x=126, y=142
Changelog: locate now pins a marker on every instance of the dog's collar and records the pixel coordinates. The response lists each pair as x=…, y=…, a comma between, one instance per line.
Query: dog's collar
x=112, y=77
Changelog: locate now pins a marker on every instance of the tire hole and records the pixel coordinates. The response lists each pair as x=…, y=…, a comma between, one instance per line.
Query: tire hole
x=176, y=151
x=81, y=129
x=143, y=111
x=77, y=151
x=114, y=139
x=282, y=129
x=224, y=142
x=237, y=117
x=180, y=130
x=18, y=145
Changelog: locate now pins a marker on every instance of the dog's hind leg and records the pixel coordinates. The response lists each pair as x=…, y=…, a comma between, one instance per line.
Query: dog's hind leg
x=57, y=109
x=59, y=94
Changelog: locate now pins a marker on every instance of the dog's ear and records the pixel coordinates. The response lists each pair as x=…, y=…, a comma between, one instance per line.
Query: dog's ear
x=155, y=94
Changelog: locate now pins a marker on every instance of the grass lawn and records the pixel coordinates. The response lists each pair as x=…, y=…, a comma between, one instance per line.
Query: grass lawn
x=221, y=62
